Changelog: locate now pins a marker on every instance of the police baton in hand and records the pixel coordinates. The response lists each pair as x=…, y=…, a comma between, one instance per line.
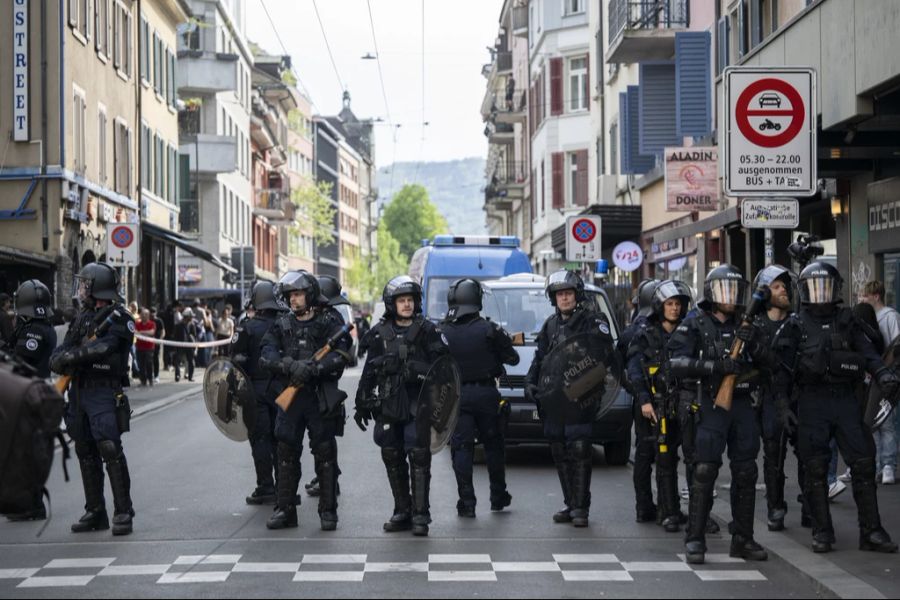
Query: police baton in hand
x=63, y=382
x=286, y=398
x=757, y=305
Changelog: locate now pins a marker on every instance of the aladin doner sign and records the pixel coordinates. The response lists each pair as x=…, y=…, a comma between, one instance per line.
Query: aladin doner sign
x=691, y=179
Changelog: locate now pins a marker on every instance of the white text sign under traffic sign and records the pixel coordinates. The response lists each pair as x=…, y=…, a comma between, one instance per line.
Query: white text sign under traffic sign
x=770, y=131
x=774, y=213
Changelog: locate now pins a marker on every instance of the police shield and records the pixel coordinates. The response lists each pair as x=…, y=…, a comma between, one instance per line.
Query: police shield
x=229, y=399
x=878, y=406
x=439, y=401
x=575, y=385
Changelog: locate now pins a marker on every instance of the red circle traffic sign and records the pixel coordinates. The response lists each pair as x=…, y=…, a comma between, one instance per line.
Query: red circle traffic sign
x=796, y=112
x=122, y=237
x=584, y=230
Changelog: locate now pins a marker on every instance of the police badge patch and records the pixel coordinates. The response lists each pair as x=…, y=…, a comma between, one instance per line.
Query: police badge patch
x=234, y=338
x=444, y=339
x=32, y=345
x=604, y=328
x=131, y=326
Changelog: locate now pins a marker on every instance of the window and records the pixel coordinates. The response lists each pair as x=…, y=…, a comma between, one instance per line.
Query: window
x=614, y=148
x=101, y=26
x=574, y=7
x=79, y=145
x=101, y=143
x=121, y=39
x=122, y=157
x=170, y=90
x=578, y=84
x=542, y=184
x=73, y=13
x=157, y=77
x=145, y=51
x=117, y=33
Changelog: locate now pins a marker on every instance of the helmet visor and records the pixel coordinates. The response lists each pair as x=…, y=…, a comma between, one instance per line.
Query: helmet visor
x=818, y=290
x=81, y=288
x=728, y=291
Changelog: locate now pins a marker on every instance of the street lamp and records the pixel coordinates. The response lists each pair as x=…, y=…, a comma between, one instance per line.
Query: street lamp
x=368, y=56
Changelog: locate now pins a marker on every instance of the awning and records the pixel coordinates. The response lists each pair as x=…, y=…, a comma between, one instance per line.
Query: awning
x=717, y=221
x=183, y=243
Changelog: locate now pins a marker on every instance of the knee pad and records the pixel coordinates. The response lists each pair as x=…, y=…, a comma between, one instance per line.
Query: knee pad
x=109, y=450
x=705, y=473
x=326, y=451
x=86, y=450
x=392, y=456
x=582, y=450
x=745, y=470
x=863, y=468
x=817, y=469
x=420, y=457
x=772, y=448
x=288, y=453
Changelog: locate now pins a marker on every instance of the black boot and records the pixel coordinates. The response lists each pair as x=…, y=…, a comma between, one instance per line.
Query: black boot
x=699, y=505
x=461, y=457
x=564, y=470
x=420, y=463
x=120, y=484
x=645, y=509
x=872, y=536
x=37, y=512
x=773, y=474
x=327, y=473
x=743, y=504
x=815, y=492
x=495, y=457
x=261, y=495
x=582, y=456
x=95, y=517
x=805, y=519
x=312, y=488
x=265, y=482
x=669, y=503
x=398, y=476
x=285, y=514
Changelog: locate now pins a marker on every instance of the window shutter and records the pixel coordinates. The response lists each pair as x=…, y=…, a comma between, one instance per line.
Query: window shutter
x=581, y=179
x=756, y=23
x=742, y=28
x=657, y=108
x=623, y=134
x=637, y=163
x=692, y=83
x=558, y=164
x=556, y=86
x=587, y=80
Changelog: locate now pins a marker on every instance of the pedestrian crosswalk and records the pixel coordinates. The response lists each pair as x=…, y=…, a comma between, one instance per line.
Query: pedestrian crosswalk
x=356, y=568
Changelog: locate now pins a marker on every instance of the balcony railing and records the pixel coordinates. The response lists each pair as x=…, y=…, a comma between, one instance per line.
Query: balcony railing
x=272, y=198
x=520, y=21
x=646, y=14
x=508, y=173
x=189, y=121
x=509, y=101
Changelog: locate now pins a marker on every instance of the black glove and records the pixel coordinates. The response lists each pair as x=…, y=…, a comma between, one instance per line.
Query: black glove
x=415, y=371
x=531, y=392
x=390, y=364
x=788, y=420
x=888, y=382
x=362, y=418
x=287, y=364
x=746, y=333
x=62, y=361
x=302, y=371
x=729, y=366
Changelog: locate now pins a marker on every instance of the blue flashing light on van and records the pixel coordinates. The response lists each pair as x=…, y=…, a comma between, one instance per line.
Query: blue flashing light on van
x=447, y=258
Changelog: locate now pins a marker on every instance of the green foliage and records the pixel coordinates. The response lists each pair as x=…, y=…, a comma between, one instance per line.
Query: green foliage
x=367, y=275
x=296, y=123
x=314, y=206
x=411, y=217
x=288, y=78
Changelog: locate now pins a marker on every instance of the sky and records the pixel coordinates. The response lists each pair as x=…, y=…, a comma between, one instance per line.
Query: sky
x=456, y=37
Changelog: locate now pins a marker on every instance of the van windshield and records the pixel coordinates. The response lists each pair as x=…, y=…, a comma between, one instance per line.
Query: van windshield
x=436, y=301
x=525, y=309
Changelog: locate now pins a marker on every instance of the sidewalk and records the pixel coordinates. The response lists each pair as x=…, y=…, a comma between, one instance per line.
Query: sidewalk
x=146, y=399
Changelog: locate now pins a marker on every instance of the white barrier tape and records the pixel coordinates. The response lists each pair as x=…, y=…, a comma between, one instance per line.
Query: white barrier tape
x=175, y=344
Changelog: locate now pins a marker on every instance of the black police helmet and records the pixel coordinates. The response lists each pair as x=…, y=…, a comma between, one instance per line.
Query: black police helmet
x=464, y=298
x=668, y=289
x=565, y=280
x=401, y=285
x=262, y=296
x=99, y=281
x=33, y=300
x=645, y=292
x=773, y=273
x=820, y=283
x=331, y=290
x=725, y=285
x=299, y=281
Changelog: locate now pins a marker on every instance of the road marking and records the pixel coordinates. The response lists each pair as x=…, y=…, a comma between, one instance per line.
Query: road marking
x=56, y=581
x=442, y=576
x=264, y=567
x=670, y=566
x=585, y=558
x=329, y=576
x=526, y=567
x=122, y=570
x=191, y=559
x=596, y=576
x=397, y=567
x=334, y=559
x=221, y=559
x=730, y=575
x=715, y=559
x=17, y=573
x=195, y=577
x=78, y=563
x=459, y=558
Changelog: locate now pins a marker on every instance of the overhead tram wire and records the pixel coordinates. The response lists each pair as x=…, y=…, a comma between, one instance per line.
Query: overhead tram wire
x=286, y=53
x=387, y=109
x=328, y=47
x=422, y=139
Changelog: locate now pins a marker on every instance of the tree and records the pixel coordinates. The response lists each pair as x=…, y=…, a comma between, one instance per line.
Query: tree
x=316, y=210
x=367, y=275
x=411, y=217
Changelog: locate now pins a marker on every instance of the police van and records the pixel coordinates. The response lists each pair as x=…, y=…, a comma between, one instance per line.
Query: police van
x=440, y=262
x=519, y=304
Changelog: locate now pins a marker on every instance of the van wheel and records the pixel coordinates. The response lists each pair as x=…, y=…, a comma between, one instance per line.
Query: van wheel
x=617, y=453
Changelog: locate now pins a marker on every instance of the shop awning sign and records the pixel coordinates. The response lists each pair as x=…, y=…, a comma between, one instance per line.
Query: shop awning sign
x=770, y=131
x=773, y=213
x=628, y=256
x=692, y=182
x=123, y=244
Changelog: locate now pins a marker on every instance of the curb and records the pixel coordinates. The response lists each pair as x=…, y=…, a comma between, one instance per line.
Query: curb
x=164, y=402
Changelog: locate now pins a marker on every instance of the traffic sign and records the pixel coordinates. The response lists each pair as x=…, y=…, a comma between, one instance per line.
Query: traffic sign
x=123, y=244
x=583, y=238
x=770, y=131
x=771, y=213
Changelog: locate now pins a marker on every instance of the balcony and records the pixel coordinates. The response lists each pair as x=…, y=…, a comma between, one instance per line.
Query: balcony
x=206, y=72
x=644, y=30
x=500, y=134
x=507, y=181
x=520, y=21
x=505, y=107
x=209, y=154
x=275, y=205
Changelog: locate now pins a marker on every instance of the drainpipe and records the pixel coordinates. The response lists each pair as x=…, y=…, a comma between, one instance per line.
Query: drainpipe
x=45, y=227
x=139, y=271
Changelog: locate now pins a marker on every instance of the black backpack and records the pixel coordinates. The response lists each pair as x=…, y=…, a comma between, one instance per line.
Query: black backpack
x=30, y=414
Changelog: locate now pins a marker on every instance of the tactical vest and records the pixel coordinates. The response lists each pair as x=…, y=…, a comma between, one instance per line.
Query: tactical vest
x=654, y=357
x=559, y=330
x=470, y=344
x=825, y=353
x=33, y=343
x=257, y=328
x=301, y=339
x=112, y=367
x=398, y=399
x=715, y=344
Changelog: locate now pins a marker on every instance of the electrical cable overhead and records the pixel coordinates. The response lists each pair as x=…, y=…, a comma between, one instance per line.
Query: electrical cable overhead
x=328, y=47
x=424, y=123
x=286, y=53
x=387, y=110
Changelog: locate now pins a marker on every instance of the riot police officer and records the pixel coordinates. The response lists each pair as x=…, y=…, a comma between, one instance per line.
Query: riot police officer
x=480, y=348
x=824, y=355
x=95, y=353
x=645, y=448
x=33, y=341
x=246, y=349
x=570, y=444
x=699, y=351
x=401, y=349
x=288, y=353
x=655, y=394
x=774, y=437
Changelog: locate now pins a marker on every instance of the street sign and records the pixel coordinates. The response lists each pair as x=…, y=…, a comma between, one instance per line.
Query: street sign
x=628, y=256
x=123, y=244
x=773, y=213
x=770, y=131
x=583, y=238
x=692, y=183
